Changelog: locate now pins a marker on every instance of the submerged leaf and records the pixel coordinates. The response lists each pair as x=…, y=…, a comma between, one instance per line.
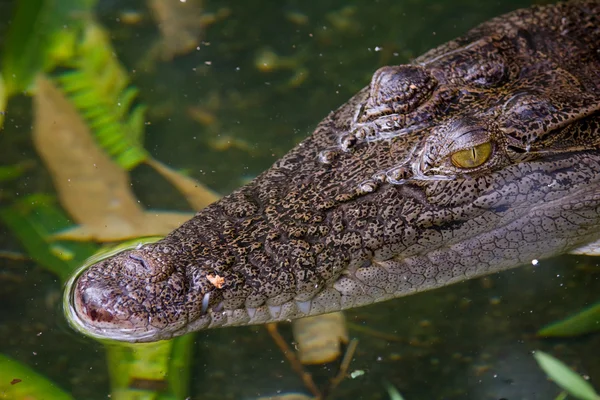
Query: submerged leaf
x=565, y=377
x=197, y=195
x=12, y=172
x=584, y=322
x=392, y=391
x=32, y=220
x=152, y=369
x=26, y=44
x=91, y=187
x=3, y=101
x=19, y=382
x=320, y=338
x=36, y=40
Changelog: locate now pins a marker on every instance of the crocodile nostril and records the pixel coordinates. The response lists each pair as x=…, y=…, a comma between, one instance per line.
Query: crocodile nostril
x=140, y=260
x=99, y=315
x=90, y=305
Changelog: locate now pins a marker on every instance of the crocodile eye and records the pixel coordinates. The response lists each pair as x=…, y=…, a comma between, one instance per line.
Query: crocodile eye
x=473, y=156
x=397, y=90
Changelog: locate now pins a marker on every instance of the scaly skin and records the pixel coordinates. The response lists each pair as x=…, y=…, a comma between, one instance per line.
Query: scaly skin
x=370, y=206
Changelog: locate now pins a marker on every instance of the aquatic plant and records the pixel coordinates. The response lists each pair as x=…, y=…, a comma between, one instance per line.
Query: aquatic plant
x=565, y=377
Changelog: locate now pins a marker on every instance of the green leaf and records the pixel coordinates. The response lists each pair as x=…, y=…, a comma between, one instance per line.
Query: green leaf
x=561, y=396
x=564, y=377
x=38, y=38
x=3, y=100
x=585, y=321
x=19, y=382
x=392, y=391
x=160, y=370
x=11, y=172
x=33, y=220
x=24, y=50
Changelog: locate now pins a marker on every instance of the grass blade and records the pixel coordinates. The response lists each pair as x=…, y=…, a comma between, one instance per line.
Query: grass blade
x=565, y=377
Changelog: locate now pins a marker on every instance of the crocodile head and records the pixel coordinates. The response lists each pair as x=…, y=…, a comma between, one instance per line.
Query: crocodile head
x=479, y=156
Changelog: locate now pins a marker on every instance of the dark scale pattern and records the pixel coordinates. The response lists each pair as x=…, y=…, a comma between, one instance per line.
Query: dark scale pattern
x=370, y=206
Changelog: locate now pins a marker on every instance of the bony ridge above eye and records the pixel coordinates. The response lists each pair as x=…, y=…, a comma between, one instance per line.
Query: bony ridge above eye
x=472, y=157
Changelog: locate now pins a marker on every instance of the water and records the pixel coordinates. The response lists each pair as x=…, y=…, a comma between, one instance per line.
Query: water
x=467, y=341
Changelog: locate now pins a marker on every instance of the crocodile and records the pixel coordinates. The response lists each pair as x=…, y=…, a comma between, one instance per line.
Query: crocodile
x=478, y=156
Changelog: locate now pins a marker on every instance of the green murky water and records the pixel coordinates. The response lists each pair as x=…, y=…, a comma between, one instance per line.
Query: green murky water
x=217, y=113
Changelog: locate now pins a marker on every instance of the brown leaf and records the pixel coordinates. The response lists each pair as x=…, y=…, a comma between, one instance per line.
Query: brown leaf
x=91, y=187
x=196, y=194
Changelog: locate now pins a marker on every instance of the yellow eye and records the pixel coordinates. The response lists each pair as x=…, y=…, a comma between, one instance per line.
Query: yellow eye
x=472, y=157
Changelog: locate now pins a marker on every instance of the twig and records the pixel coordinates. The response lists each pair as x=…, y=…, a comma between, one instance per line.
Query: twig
x=344, y=365
x=13, y=255
x=293, y=360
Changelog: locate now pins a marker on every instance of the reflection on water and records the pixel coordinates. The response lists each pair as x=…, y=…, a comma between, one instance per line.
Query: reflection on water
x=263, y=76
